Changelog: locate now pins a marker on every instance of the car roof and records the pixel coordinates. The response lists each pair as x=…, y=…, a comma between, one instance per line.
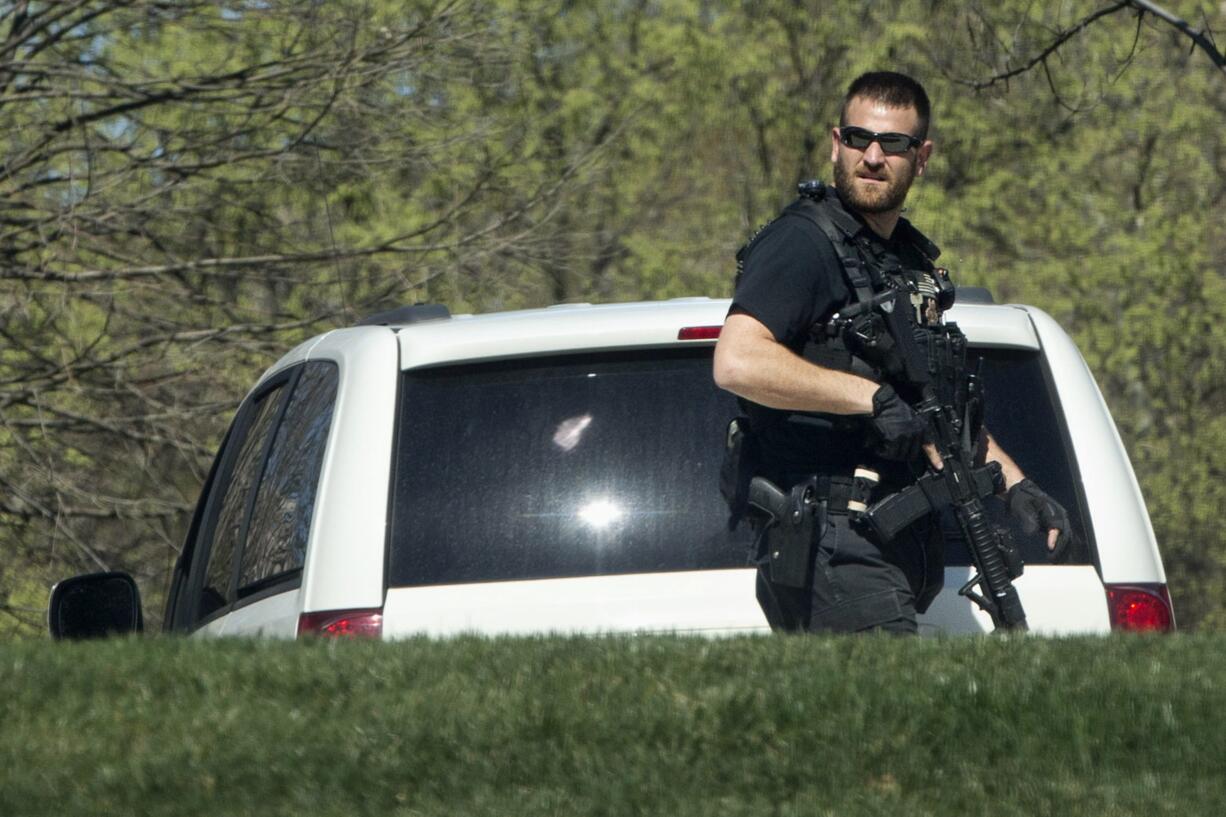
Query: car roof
x=439, y=339
x=645, y=324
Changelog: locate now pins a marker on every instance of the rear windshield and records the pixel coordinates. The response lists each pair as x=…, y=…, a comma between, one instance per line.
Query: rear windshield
x=562, y=467
x=608, y=464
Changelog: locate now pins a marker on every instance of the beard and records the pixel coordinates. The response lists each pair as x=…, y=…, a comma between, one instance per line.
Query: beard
x=873, y=198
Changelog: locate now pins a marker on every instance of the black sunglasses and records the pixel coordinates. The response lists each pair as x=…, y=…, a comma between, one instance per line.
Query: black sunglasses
x=895, y=143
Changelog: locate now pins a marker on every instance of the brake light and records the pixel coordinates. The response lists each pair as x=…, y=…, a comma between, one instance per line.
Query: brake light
x=699, y=332
x=1144, y=608
x=343, y=623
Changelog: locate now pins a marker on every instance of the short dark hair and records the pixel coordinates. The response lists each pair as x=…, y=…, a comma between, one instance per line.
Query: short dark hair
x=893, y=89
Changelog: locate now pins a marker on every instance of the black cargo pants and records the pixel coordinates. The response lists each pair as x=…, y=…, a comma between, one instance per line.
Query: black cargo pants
x=855, y=585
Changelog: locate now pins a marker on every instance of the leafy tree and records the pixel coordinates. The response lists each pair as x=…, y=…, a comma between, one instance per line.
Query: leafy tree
x=188, y=188
x=1092, y=194
x=167, y=226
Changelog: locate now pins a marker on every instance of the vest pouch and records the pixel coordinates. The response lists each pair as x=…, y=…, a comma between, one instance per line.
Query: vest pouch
x=742, y=456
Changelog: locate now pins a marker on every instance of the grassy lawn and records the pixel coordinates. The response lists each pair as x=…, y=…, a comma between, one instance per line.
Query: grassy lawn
x=616, y=726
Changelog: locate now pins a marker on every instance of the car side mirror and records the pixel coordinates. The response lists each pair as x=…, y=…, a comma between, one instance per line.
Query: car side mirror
x=95, y=605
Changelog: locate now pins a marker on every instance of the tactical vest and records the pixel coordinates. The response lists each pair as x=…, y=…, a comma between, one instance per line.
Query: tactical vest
x=868, y=270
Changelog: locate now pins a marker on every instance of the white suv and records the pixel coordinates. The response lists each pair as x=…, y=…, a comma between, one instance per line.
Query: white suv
x=557, y=470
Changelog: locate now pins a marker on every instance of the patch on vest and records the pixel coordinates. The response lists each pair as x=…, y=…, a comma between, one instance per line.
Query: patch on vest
x=928, y=295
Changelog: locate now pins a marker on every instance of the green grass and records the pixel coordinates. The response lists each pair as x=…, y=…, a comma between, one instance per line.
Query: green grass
x=616, y=726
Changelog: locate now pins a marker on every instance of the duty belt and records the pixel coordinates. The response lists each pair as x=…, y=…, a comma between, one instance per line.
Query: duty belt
x=856, y=496
x=840, y=495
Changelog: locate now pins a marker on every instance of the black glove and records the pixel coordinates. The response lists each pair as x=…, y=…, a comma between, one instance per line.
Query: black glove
x=1037, y=510
x=898, y=430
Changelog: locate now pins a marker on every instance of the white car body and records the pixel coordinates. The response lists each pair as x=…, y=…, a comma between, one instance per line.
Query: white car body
x=345, y=567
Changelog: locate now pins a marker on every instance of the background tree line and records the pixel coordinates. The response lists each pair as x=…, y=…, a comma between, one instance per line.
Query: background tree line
x=188, y=188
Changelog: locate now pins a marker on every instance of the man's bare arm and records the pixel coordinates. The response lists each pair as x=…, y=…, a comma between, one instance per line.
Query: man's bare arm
x=750, y=363
x=1013, y=475
x=994, y=453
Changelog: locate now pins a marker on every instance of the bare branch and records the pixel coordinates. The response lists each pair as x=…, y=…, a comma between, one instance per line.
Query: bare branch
x=1202, y=38
x=1041, y=58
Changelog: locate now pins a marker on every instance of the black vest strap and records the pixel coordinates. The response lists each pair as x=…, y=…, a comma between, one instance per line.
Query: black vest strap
x=841, y=228
x=906, y=230
x=820, y=205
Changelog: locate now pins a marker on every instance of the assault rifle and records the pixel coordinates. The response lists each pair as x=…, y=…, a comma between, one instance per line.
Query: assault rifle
x=879, y=330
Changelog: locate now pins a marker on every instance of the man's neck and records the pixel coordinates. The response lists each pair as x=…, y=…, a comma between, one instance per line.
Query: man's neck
x=882, y=224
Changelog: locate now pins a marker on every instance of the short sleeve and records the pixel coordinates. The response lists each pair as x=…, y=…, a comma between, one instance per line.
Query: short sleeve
x=792, y=279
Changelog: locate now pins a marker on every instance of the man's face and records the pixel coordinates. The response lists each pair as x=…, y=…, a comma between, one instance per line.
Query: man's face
x=871, y=180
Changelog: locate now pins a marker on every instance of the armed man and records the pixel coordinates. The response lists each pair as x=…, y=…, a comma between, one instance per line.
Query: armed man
x=842, y=422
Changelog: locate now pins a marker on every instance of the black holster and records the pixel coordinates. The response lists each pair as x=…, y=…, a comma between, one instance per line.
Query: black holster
x=793, y=523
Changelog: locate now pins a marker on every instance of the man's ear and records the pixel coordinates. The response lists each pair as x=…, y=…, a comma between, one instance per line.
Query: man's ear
x=922, y=154
x=834, y=145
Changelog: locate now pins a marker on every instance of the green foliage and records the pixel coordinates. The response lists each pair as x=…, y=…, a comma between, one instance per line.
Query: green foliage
x=650, y=725
x=191, y=188
x=1094, y=201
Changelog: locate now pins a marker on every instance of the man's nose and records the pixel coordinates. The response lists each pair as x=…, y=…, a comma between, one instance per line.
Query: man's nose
x=873, y=154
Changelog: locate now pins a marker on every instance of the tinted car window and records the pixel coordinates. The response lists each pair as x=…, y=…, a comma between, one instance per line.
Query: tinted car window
x=243, y=474
x=281, y=518
x=609, y=464
x=561, y=467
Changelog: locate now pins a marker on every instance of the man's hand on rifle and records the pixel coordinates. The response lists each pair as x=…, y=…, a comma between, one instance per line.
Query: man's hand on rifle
x=1036, y=510
x=900, y=432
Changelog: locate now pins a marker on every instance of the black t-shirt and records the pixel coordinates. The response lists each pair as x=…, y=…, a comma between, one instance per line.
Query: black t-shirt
x=792, y=280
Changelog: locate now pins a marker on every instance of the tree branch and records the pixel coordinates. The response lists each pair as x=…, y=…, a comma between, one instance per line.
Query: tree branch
x=1052, y=47
x=1198, y=37
x=1201, y=38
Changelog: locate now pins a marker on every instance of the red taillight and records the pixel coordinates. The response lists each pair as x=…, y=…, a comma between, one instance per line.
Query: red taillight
x=699, y=333
x=1140, y=608
x=343, y=623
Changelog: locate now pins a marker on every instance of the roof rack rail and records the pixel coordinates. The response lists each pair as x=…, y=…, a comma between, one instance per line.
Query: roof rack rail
x=414, y=313
x=973, y=295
